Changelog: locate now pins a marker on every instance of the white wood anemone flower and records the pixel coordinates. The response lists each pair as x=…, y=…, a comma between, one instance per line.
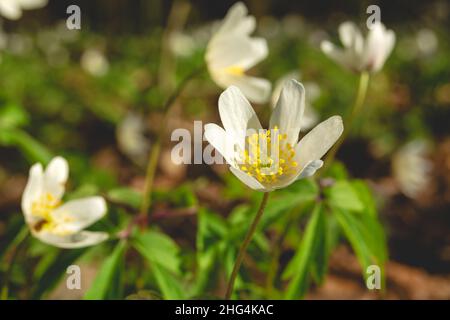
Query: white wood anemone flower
x=12, y=9
x=245, y=145
x=411, y=167
x=359, y=54
x=310, y=115
x=56, y=223
x=231, y=52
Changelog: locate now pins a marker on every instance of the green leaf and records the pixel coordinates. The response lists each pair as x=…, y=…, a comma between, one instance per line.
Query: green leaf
x=126, y=196
x=207, y=266
x=342, y=195
x=211, y=229
x=365, y=196
x=108, y=272
x=301, y=192
x=12, y=116
x=300, y=264
x=158, y=248
x=169, y=285
x=355, y=233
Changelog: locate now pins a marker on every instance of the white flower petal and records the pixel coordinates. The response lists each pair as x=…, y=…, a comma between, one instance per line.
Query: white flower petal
x=379, y=45
x=237, y=115
x=77, y=240
x=338, y=55
x=236, y=51
x=32, y=4
x=288, y=112
x=75, y=215
x=310, y=168
x=350, y=35
x=248, y=180
x=280, y=83
x=55, y=177
x=318, y=141
x=33, y=189
x=235, y=15
x=219, y=139
x=10, y=9
x=254, y=89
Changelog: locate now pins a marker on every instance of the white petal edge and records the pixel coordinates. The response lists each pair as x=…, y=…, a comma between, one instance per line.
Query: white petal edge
x=319, y=140
x=237, y=115
x=233, y=18
x=248, y=180
x=289, y=110
x=32, y=4
x=349, y=33
x=75, y=215
x=337, y=55
x=310, y=169
x=219, y=139
x=33, y=189
x=255, y=89
x=55, y=176
x=10, y=9
x=74, y=241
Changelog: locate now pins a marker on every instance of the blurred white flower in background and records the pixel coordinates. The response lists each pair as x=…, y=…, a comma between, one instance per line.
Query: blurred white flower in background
x=359, y=54
x=427, y=41
x=12, y=9
x=248, y=153
x=310, y=116
x=231, y=52
x=185, y=43
x=411, y=168
x=182, y=44
x=56, y=223
x=131, y=138
x=94, y=62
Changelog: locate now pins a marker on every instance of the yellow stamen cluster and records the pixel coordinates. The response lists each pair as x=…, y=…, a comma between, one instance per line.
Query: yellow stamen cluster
x=42, y=209
x=234, y=70
x=267, y=156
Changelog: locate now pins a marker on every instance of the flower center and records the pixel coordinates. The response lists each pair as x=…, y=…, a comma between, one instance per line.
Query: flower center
x=42, y=209
x=267, y=156
x=234, y=70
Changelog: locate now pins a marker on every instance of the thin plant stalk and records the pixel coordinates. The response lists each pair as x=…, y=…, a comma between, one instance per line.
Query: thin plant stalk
x=156, y=148
x=20, y=241
x=359, y=101
x=243, y=248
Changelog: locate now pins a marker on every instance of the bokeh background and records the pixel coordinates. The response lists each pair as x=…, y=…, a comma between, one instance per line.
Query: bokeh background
x=94, y=95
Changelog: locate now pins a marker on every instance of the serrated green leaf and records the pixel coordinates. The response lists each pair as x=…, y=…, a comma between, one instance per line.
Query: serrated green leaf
x=365, y=196
x=158, y=248
x=342, y=195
